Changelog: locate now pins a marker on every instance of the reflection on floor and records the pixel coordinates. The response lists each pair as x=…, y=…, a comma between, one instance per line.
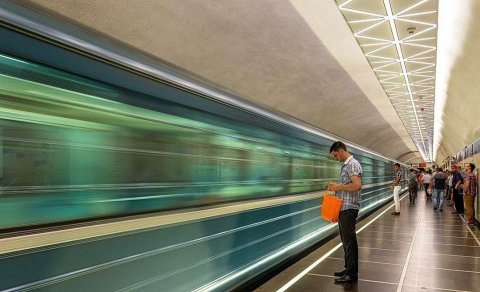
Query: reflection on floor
x=420, y=250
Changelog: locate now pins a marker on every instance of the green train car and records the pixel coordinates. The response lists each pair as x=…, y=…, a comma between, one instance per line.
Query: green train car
x=71, y=152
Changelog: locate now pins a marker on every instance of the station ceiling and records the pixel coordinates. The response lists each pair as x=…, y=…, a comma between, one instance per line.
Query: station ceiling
x=304, y=58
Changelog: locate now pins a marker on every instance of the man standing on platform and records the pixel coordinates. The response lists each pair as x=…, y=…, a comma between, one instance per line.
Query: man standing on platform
x=439, y=185
x=348, y=189
x=397, y=178
x=457, y=182
x=469, y=193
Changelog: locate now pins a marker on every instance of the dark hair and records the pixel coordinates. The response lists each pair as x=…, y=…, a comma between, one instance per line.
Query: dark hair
x=397, y=164
x=337, y=146
x=472, y=166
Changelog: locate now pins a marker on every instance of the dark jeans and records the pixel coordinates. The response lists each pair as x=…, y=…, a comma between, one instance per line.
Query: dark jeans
x=347, y=225
x=458, y=199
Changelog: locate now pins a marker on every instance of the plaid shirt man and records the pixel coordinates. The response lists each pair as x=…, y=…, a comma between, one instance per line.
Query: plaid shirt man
x=472, y=185
x=351, y=167
x=398, y=175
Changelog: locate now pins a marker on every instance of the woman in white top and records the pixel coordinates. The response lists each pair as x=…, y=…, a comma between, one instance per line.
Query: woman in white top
x=449, y=187
x=427, y=179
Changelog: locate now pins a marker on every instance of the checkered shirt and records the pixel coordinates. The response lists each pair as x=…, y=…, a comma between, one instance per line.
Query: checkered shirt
x=351, y=167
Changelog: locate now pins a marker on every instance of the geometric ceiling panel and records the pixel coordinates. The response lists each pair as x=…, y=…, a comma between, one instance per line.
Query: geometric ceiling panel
x=382, y=52
x=426, y=17
x=419, y=66
x=398, y=6
x=380, y=31
x=422, y=29
x=413, y=6
x=416, y=50
x=371, y=6
x=417, y=79
x=399, y=39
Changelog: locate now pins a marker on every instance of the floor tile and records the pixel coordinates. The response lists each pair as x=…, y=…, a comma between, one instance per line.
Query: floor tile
x=442, y=279
x=323, y=283
x=440, y=253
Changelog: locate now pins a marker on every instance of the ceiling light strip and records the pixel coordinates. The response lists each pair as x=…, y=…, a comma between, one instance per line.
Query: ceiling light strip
x=417, y=14
x=418, y=45
x=345, y=3
x=373, y=45
x=424, y=52
x=411, y=7
x=420, y=40
x=416, y=21
x=363, y=12
x=370, y=27
x=375, y=39
x=391, y=18
x=366, y=20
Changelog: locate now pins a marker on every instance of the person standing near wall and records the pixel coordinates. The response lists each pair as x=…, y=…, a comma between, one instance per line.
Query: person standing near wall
x=397, y=178
x=348, y=189
x=457, y=181
x=449, y=187
x=469, y=193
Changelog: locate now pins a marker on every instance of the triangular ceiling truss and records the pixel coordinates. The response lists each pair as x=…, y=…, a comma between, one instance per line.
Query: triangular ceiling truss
x=399, y=38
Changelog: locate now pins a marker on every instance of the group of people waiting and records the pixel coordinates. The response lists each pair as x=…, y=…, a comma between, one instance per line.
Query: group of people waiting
x=457, y=186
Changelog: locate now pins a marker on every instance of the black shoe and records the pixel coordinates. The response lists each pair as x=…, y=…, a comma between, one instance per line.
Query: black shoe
x=346, y=279
x=434, y=208
x=340, y=274
x=395, y=213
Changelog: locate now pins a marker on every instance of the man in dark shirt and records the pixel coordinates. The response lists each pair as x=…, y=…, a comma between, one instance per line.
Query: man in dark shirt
x=412, y=185
x=457, y=182
x=439, y=186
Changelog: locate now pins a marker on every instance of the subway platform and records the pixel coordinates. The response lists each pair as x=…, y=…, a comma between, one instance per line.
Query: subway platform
x=420, y=250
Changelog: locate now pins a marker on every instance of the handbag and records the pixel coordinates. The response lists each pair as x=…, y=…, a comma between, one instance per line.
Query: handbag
x=331, y=207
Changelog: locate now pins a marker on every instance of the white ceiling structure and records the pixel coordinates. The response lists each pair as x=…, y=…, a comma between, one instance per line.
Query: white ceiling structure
x=365, y=70
x=399, y=39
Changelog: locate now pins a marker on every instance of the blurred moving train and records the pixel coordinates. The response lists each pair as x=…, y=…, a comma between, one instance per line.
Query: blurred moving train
x=75, y=148
x=86, y=135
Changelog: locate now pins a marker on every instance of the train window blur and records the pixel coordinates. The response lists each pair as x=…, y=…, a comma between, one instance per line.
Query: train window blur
x=70, y=152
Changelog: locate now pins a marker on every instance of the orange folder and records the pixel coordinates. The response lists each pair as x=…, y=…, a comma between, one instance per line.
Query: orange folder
x=331, y=207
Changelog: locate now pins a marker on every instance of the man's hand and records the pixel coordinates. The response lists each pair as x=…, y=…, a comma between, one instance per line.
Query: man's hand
x=333, y=187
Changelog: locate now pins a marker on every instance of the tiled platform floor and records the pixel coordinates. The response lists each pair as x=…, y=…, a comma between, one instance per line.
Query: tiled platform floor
x=420, y=250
